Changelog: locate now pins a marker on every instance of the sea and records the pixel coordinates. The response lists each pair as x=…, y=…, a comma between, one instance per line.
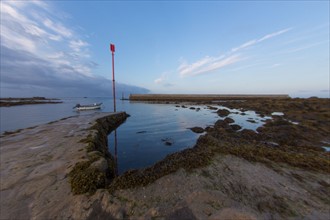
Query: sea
x=152, y=131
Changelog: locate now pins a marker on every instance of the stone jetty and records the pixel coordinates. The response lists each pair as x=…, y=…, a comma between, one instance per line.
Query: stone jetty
x=36, y=164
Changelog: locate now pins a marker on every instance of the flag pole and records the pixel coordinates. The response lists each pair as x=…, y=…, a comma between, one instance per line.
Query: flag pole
x=112, y=48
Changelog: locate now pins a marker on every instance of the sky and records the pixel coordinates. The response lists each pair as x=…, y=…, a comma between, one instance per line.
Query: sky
x=61, y=48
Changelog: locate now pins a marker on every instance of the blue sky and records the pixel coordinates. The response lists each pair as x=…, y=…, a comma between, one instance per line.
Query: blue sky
x=61, y=48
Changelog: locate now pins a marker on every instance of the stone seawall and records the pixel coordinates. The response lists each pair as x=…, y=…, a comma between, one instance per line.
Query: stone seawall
x=42, y=167
x=202, y=98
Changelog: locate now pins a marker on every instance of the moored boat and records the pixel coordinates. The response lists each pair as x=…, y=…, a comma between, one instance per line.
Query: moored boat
x=94, y=106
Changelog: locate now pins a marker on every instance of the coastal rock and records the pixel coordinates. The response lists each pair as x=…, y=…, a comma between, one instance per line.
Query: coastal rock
x=168, y=141
x=235, y=127
x=101, y=165
x=229, y=120
x=212, y=108
x=197, y=129
x=231, y=213
x=223, y=112
x=221, y=124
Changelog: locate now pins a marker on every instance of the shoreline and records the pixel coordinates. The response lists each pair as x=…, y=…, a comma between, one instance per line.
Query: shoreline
x=8, y=102
x=280, y=172
x=203, y=97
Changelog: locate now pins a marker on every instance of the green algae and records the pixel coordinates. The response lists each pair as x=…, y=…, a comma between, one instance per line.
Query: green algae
x=296, y=145
x=85, y=178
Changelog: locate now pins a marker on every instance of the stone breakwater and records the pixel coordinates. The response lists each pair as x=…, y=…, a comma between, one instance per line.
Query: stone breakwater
x=44, y=166
x=200, y=97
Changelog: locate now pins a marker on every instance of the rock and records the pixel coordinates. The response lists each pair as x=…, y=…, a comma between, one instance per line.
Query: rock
x=197, y=129
x=235, y=127
x=221, y=124
x=192, y=108
x=229, y=120
x=168, y=141
x=182, y=213
x=100, y=164
x=230, y=213
x=271, y=144
x=223, y=112
x=119, y=214
x=183, y=106
x=251, y=121
x=141, y=132
x=153, y=212
x=212, y=108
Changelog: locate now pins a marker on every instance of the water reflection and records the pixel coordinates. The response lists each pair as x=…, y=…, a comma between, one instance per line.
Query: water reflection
x=115, y=150
x=116, y=154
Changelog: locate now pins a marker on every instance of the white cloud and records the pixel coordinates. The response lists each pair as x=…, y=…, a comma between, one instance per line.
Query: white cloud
x=52, y=50
x=207, y=64
x=159, y=80
x=255, y=41
x=268, y=36
x=58, y=28
x=77, y=45
x=245, y=45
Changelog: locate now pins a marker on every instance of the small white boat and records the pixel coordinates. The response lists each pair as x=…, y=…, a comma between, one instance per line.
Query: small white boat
x=94, y=106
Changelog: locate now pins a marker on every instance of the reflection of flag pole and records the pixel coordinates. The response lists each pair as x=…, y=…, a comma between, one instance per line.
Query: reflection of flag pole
x=112, y=48
x=116, y=155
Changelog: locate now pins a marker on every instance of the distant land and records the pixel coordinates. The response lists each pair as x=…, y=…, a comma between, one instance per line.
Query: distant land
x=7, y=102
x=203, y=97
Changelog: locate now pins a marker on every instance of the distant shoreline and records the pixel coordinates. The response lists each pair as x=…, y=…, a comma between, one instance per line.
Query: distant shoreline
x=8, y=102
x=203, y=97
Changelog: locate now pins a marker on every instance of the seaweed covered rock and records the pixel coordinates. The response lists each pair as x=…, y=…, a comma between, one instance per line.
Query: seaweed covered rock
x=229, y=120
x=197, y=129
x=86, y=179
x=223, y=112
x=98, y=170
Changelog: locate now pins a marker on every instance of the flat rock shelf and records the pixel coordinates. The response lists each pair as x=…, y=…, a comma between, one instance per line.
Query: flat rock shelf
x=36, y=164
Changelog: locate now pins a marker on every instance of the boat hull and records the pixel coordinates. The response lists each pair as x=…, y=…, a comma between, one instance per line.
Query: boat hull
x=95, y=106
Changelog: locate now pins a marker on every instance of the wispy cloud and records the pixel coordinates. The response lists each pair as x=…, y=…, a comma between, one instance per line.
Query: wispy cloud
x=304, y=47
x=163, y=80
x=160, y=80
x=208, y=64
x=255, y=41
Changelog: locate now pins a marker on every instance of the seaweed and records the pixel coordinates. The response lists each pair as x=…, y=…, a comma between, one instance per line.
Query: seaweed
x=85, y=178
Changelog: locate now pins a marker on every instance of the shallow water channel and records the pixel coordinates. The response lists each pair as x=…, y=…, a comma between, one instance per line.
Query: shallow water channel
x=152, y=132
x=156, y=130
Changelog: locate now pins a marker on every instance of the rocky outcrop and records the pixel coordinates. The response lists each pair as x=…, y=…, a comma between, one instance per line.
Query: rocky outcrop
x=98, y=169
x=223, y=112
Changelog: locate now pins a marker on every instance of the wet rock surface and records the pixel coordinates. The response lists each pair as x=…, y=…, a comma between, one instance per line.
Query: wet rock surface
x=197, y=129
x=278, y=172
x=223, y=112
x=263, y=175
x=36, y=164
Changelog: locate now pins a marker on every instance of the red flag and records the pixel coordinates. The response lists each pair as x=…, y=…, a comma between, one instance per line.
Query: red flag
x=112, y=48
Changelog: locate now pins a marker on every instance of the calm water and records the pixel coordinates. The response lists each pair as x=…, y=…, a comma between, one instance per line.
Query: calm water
x=141, y=140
